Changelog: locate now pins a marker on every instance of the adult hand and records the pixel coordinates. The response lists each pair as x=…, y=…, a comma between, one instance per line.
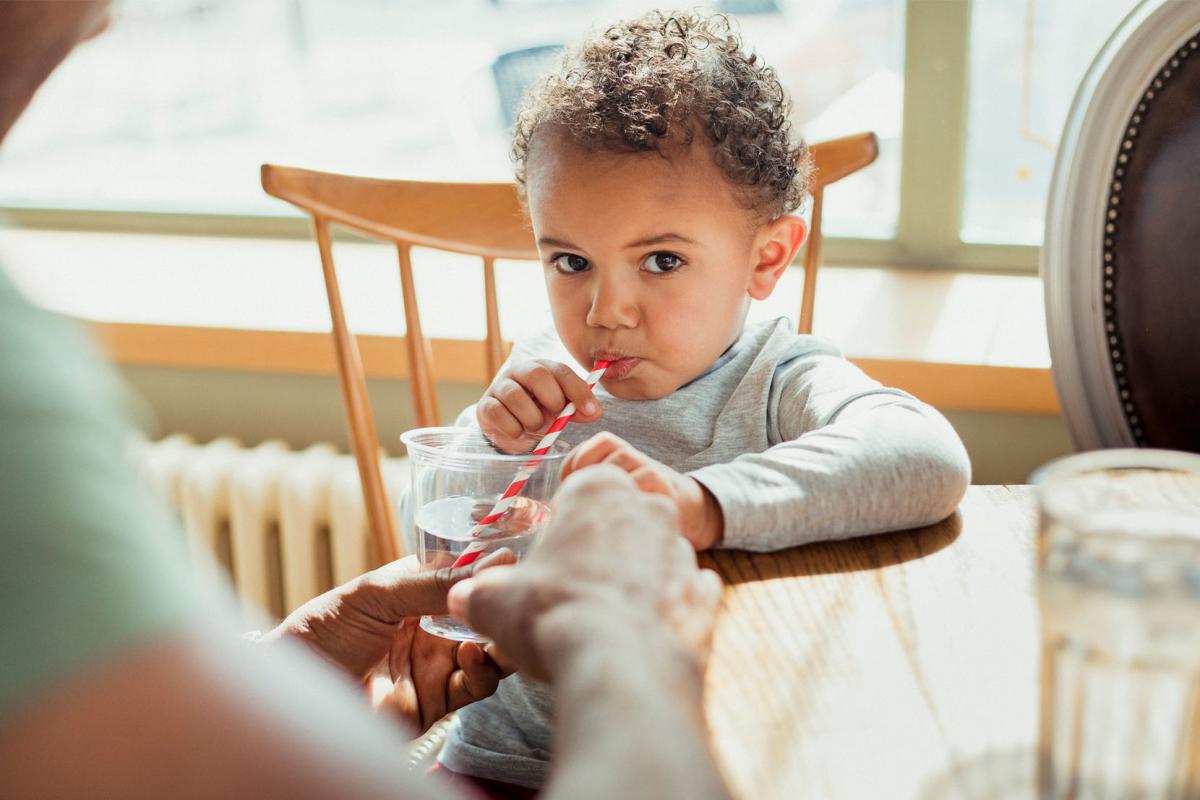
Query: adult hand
x=369, y=627
x=527, y=397
x=425, y=677
x=611, y=561
x=700, y=515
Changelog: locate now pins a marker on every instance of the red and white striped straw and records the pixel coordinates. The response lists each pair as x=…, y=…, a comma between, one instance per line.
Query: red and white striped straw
x=475, y=549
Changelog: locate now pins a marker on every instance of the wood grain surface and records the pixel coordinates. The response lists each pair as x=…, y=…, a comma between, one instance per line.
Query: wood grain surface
x=902, y=665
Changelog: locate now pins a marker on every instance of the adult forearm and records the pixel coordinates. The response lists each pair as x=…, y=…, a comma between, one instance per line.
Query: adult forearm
x=630, y=722
x=205, y=716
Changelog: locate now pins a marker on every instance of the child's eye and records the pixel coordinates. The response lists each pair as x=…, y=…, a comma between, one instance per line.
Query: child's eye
x=662, y=262
x=569, y=263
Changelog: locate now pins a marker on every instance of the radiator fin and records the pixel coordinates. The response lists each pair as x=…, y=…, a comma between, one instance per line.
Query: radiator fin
x=286, y=525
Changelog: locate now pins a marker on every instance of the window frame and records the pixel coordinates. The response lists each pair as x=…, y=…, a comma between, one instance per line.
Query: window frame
x=933, y=149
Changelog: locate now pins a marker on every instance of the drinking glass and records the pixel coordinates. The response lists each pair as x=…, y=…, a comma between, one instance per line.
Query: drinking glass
x=457, y=478
x=1118, y=557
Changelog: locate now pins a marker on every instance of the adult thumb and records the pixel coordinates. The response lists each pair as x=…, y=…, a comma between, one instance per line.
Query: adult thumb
x=485, y=602
x=425, y=592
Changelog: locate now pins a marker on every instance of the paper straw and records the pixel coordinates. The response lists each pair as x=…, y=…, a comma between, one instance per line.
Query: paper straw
x=475, y=549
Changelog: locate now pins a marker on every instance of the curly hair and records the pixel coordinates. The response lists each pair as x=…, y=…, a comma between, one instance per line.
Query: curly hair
x=650, y=83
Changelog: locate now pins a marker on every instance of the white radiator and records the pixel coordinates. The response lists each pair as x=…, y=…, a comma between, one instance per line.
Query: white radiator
x=287, y=525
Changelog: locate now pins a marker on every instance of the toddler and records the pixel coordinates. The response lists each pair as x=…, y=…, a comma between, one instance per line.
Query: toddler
x=659, y=172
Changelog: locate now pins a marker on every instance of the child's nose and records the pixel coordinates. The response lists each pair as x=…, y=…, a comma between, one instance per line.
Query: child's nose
x=613, y=306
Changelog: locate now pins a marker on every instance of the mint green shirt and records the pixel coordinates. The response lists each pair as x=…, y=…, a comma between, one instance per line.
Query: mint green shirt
x=92, y=565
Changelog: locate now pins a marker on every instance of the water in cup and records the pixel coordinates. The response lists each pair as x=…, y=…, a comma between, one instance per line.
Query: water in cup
x=444, y=527
x=1119, y=591
x=457, y=479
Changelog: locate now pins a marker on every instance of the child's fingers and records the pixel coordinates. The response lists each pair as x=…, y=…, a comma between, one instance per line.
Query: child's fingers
x=542, y=384
x=496, y=421
x=593, y=451
x=502, y=662
x=476, y=678
x=650, y=480
x=576, y=390
x=590, y=452
x=519, y=403
x=626, y=458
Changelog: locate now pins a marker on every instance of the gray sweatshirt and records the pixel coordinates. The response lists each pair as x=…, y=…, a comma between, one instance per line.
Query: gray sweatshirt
x=796, y=444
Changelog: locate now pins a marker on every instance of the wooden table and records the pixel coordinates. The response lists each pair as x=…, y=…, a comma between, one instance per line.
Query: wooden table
x=886, y=667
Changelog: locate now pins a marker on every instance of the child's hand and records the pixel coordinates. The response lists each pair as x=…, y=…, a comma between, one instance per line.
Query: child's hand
x=699, y=513
x=527, y=397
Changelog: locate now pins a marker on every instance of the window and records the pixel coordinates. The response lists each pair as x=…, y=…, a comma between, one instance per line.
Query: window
x=162, y=122
x=174, y=108
x=1026, y=60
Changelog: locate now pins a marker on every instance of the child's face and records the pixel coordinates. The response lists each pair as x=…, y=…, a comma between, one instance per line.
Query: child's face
x=649, y=262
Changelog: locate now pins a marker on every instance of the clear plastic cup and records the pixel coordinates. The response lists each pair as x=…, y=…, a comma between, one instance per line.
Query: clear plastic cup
x=457, y=478
x=1118, y=559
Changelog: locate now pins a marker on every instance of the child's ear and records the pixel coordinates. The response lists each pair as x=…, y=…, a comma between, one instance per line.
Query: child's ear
x=775, y=247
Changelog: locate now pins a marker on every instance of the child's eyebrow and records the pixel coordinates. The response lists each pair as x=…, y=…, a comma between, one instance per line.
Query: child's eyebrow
x=658, y=238
x=559, y=243
x=661, y=238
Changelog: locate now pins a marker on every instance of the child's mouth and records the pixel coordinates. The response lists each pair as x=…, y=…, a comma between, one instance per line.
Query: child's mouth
x=618, y=368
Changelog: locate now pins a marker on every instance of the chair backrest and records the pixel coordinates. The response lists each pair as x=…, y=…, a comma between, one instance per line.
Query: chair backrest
x=410, y=213
x=832, y=161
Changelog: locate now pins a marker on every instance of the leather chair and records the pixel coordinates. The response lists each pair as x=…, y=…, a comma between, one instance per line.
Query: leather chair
x=1121, y=258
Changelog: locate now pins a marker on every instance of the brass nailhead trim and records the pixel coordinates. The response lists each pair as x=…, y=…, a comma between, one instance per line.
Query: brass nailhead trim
x=1109, y=265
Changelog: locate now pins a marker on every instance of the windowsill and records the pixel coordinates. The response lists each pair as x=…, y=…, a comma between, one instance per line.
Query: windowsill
x=977, y=341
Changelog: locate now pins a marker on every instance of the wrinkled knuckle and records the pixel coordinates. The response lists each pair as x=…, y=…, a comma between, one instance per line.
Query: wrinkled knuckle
x=504, y=376
x=489, y=408
x=644, y=476
x=537, y=373
x=495, y=420
x=660, y=507
x=444, y=578
x=652, y=485
x=558, y=371
x=507, y=391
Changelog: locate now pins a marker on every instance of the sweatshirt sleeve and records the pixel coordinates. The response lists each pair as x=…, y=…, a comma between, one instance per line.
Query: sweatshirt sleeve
x=852, y=458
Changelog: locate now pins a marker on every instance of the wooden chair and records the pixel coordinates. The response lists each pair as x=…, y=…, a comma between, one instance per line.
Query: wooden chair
x=410, y=213
x=832, y=161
